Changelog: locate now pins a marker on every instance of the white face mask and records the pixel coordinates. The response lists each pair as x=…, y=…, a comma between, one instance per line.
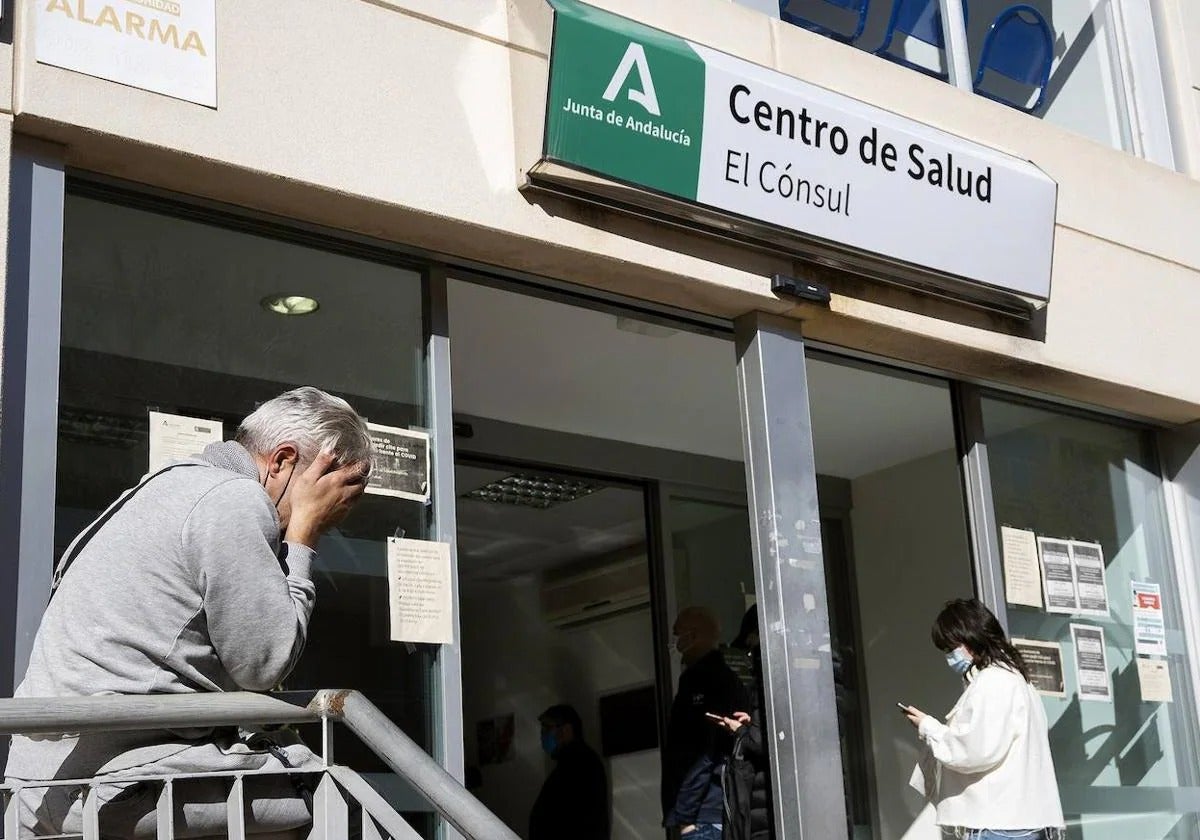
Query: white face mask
x=959, y=660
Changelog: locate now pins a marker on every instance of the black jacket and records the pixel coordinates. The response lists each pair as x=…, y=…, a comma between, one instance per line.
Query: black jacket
x=747, y=775
x=573, y=802
x=696, y=748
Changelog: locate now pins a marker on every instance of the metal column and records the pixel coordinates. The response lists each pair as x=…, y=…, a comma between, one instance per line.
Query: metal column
x=958, y=59
x=801, y=711
x=977, y=487
x=29, y=407
x=448, y=727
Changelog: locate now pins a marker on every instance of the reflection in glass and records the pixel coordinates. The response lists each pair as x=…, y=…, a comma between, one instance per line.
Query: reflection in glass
x=162, y=313
x=1067, y=477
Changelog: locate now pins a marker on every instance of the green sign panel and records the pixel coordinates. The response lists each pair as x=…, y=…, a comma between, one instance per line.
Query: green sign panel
x=608, y=114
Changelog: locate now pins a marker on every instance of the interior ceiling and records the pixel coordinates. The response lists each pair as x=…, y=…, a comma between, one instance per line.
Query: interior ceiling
x=500, y=541
x=156, y=288
x=549, y=365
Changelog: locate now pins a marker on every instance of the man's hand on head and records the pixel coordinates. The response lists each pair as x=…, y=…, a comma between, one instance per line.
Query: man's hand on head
x=322, y=495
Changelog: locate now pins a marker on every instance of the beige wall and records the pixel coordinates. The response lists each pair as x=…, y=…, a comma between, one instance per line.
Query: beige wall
x=413, y=120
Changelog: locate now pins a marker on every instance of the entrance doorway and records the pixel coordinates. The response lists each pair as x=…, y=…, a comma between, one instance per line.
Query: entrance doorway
x=555, y=600
x=631, y=431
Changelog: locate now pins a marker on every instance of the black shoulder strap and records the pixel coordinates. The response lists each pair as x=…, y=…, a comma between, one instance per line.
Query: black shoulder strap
x=86, y=535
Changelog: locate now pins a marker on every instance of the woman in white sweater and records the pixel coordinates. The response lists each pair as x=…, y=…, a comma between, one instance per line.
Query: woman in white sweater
x=988, y=767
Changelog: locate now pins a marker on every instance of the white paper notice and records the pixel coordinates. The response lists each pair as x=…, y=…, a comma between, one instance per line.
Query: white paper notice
x=1090, y=585
x=1091, y=663
x=401, y=465
x=1022, y=578
x=1155, y=679
x=166, y=46
x=1149, y=630
x=419, y=590
x=174, y=437
x=1058, y=577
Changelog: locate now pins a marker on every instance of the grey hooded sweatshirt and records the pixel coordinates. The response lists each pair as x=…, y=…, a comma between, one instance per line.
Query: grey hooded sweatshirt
x=182, y=590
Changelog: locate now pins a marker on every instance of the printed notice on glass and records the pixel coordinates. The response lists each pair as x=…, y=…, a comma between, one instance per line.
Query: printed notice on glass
x=1090, y=586
x=174, y=437
x=401, y=465
x=1045, y=663
x=166, y=46
x=1022, y=577
x=1149, y=629
x=1091, y=663
x=1155, y=679
x=1058, y=577
x=419, y=591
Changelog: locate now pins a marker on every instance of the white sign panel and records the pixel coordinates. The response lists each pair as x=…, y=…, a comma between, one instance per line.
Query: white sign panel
x=422, y=609
x=1022, y=573
x=639, y=106
x=1091, y=663
x=1090, y=584
x=166, y=46
x=891, y=185
x=174, y=437
x=1149, y=629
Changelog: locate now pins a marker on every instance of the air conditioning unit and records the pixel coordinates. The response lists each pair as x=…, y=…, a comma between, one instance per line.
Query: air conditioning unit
x=581, y=597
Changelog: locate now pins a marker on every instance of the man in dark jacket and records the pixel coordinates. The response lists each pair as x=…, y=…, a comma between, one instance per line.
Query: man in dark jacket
x=747, y=777
x=573, y=802
x=695, y=751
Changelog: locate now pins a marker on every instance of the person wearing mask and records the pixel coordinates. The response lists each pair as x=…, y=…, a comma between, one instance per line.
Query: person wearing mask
x=695, y=750
x=988, y=768
x=573, y=801
x=746, y=779
x=196, y=580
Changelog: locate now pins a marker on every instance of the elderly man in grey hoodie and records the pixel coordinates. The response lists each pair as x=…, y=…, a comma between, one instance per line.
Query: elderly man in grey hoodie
x=195, y=580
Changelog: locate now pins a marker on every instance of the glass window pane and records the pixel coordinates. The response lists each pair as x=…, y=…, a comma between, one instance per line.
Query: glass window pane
x=896, y=549
x=1085, y=92
x=1123, y=766
x=161, y=313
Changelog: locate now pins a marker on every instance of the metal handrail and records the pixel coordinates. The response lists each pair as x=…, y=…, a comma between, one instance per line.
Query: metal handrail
x=108, y=713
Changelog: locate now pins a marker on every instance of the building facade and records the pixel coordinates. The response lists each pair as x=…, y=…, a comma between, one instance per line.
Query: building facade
x=674, y=327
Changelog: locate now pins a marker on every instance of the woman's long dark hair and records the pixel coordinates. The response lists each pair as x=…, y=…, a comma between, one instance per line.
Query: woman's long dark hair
x=966, y=621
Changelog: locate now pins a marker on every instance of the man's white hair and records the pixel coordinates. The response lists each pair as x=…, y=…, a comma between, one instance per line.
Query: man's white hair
x=311, y=419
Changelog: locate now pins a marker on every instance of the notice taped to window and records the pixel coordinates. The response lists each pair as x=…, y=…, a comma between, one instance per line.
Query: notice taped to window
x=1149, y=629
x=422, y=609
x=1155, y=679
x=1091, y=663
x=174, y=437
x=401, y=465
x=1058, y=576
x=1045, y=663
x=1022, y=578
x=1090, y=585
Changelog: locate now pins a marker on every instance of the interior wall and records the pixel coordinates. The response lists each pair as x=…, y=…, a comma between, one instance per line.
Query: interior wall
x=515, y=663
x=912, y=555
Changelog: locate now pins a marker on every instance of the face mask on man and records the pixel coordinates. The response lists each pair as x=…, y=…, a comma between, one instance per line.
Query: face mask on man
x=549, y=743
x=959, y=660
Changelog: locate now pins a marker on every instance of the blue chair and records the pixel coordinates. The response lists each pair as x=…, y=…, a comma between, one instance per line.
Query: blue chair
x=1019, y=46
x=920, y=19
x=859, y=7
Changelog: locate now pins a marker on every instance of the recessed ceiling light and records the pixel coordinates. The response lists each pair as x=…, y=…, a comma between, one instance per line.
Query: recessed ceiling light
x=290, y=304
x=536, y=491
